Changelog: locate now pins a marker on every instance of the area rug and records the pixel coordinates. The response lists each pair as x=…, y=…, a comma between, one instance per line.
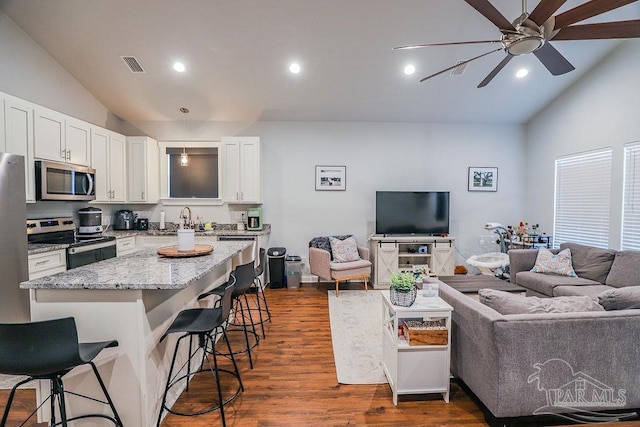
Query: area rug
x=356, y=333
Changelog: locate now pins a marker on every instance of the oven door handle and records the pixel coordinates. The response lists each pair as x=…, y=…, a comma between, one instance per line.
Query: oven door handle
x=93, y=247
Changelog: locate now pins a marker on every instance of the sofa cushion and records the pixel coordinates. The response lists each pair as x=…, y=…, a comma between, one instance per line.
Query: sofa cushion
x=625, y=270
x=544, y=283
x=589, y=262
x=620, y=298
x=508, y=303
x=547, y=262
x=592, y=291
x=344, y=250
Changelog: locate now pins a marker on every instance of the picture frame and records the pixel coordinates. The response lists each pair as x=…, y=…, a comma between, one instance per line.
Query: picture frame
x=483, y=179
x=331, y=178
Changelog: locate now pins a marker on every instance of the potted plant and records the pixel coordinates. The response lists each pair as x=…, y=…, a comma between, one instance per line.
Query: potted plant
x=403, y=289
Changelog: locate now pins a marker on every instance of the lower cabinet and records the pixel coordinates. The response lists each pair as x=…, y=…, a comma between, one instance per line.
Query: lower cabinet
x=47, y=263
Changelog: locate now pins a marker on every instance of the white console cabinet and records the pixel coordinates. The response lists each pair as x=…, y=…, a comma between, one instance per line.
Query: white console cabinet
x=401, y=253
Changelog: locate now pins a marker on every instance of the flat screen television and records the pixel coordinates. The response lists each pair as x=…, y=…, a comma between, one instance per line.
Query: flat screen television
x=412, y=212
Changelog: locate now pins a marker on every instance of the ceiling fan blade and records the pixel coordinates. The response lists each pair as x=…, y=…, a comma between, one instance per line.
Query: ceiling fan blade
x=588, y=10
x=553, y=60
x=491, y=13
x=495, y=71
x=418, y=46
x=544, y=10
x=604, y=30
x=459, y=64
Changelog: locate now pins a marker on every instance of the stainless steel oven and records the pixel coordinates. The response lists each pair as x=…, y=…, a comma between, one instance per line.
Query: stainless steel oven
x=63, y=181
x=82, y=249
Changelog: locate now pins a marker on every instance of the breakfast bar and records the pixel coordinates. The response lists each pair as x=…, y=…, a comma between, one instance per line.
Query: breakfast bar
x=132, y=299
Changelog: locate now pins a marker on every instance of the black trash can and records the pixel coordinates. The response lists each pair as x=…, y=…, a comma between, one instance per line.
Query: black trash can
x=276, y=267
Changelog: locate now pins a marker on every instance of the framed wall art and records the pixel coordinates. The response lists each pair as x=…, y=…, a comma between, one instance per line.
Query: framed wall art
x=483, y=179
x=331, y=178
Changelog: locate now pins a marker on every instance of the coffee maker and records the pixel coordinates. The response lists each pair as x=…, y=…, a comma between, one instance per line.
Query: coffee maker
x=254, y=219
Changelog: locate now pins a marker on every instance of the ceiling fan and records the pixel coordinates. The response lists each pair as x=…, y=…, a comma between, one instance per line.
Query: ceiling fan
x=532, y=32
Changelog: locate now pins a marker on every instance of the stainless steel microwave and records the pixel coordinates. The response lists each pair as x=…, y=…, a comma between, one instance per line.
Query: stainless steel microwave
x=63, y=181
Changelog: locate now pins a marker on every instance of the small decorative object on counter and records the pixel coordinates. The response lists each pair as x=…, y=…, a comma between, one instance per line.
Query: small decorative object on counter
x=162, y=224
x=403, y=289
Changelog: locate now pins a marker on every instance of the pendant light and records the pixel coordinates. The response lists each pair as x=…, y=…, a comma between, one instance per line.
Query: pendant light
x=184, y=157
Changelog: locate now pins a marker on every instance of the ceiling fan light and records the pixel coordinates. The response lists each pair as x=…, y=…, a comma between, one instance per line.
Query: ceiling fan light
x=524, y=45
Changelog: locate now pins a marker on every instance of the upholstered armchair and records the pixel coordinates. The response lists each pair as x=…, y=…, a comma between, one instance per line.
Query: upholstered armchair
x=339, y=258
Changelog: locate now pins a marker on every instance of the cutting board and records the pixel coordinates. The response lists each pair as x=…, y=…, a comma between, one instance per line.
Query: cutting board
x=173, y=252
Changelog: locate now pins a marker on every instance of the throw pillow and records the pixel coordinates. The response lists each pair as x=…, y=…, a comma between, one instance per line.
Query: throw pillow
x=546, y=262
x=621, y=298
x=508, y=303
x=344, y=250
x=323, y=242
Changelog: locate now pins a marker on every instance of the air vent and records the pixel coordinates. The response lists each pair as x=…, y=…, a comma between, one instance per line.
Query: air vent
x=133, y=64
x=459, y=70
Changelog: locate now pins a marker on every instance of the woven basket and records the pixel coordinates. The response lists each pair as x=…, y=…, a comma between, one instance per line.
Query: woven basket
x=403, y=299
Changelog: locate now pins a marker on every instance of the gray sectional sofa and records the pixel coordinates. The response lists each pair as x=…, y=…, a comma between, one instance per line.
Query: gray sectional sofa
x=504, y=359
x=519, y=364
x=597, y=269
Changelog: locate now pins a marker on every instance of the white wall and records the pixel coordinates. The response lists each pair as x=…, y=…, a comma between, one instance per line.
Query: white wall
x=30, y=73
x=378, y=156
x=601, y=110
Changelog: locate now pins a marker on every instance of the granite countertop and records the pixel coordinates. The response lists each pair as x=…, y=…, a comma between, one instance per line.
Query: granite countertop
x=218, y=230
x=38, y=248
x=144, y=269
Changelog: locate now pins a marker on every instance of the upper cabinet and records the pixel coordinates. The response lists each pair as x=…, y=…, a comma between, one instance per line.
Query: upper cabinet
x=143, y=158
x=18, y=138
x=108, y=158
x=241, y=170
x=61, y=138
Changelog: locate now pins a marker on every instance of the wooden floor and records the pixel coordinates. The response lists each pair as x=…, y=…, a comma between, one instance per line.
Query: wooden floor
x=293, y=382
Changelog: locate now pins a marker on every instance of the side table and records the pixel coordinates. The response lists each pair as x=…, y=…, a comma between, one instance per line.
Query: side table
x=415, y=369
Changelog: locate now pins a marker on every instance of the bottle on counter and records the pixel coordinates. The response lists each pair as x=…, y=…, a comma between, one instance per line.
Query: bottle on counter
x=162, y=225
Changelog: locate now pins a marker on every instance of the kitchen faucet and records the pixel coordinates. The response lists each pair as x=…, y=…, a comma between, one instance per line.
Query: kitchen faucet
x=187, y=218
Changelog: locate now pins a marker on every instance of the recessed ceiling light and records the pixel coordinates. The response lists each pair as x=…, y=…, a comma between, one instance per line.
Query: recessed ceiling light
x=522, y=72
x=179, y=67
x=295, y=68
x=409, y=69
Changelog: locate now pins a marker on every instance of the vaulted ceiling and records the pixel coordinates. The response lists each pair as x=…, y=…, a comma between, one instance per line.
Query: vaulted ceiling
x=237, y=55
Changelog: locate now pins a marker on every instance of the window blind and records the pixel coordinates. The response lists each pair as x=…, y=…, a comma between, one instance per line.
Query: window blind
x=631, y=198
x=582, y=199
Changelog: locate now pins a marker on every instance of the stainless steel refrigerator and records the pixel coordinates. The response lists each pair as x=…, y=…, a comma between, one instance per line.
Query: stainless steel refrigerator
x=14, y=267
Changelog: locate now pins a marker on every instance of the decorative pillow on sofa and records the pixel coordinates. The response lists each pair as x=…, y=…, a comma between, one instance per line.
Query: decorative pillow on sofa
x=344, y=250
x=621, y=298
x=546, y=262
x=508, y=303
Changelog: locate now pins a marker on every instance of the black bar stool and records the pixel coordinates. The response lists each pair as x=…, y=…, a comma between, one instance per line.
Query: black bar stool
x=202, y=322
x=261, y=299
x=48, y=350
x=244, y=275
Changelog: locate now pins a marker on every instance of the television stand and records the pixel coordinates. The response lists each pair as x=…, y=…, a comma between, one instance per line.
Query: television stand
x=391, y=253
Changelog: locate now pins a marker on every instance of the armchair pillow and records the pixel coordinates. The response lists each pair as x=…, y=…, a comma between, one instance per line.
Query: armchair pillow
x=344, y=250
x=323, y=242
x=560, y=264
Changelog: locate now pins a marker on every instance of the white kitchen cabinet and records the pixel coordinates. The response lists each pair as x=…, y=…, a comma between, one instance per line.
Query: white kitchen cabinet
x=108, y=158
x=125, y=245
x=241, y=170
x=47, y=263
x=155, y=241
x=52, y=142
x=143, y=174
x=18, y=132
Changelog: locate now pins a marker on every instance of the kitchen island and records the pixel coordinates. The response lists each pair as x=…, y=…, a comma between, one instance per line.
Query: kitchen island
x=133, y=299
